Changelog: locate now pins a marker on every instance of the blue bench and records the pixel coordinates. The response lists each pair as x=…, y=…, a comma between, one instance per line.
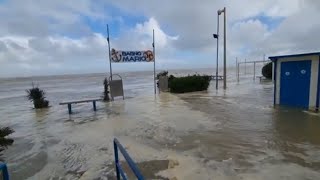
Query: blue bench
x=69, y=103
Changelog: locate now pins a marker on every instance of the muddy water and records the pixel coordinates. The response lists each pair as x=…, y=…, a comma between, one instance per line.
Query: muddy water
x=232, y=134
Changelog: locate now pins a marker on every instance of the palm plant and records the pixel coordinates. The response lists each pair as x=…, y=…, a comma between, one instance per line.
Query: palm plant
x=37, y=96
x=5, y=142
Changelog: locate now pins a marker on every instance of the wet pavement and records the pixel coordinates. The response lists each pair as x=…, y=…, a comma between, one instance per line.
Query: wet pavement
x=232, y=134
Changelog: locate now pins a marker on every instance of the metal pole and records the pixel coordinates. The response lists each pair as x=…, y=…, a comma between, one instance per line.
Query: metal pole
x=254, y=70
x=154, y=64
x=273, y=70
x=238, y=71
x=225, y=53
x=108, y=39
x=245, y=66
x=237, y=67
x=217, y=63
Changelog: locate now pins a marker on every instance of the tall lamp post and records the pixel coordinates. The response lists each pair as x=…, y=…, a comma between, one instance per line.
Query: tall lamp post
x=216, y=36
x=224, y=48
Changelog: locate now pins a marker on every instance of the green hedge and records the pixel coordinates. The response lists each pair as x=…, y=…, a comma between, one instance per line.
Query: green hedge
x=188, y=83
x=267, y=71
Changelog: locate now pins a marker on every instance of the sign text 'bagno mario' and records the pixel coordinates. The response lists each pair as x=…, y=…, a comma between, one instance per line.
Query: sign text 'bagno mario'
x=131, y=56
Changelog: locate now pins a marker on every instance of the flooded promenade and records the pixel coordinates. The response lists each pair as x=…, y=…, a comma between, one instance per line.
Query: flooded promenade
x=232, y=134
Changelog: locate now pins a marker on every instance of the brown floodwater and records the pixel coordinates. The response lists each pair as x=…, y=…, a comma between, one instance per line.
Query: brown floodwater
x=216, y=134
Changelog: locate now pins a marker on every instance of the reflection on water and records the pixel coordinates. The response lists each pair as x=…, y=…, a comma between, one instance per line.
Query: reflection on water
x=232, y=134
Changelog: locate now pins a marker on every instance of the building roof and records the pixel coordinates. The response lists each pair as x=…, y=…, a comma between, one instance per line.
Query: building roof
x=275, y=58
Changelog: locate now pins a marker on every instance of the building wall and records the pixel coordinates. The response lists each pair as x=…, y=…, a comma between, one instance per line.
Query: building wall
x=313, y=78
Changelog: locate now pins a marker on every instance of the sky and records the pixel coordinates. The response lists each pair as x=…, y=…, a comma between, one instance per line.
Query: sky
x=45, y=37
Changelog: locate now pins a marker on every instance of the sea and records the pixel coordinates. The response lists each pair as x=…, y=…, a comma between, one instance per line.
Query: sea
x=229, y=134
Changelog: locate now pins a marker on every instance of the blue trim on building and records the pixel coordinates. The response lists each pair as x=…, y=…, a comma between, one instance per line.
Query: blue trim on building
x=318, y=87
x=275, y=58
x=275, y=83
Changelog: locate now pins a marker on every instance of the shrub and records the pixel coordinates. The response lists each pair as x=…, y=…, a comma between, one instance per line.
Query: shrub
x=37, y=96
x=162, y=73
x=4, y=141
x=267, y=70
x=188, y=83
x=171, y=77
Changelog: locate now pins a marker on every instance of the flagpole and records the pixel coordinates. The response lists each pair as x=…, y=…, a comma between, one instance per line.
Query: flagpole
x=154, y=64
x=108, y=39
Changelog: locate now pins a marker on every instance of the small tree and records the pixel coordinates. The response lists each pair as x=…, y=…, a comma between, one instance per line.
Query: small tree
x=106, y=90
x=37, y=96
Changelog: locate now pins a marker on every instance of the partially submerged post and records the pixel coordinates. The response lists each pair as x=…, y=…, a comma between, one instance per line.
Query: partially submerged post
x=254, y=70
x=224, y=46
x=238, y=72
x=154, y=63
x=108, y=39
x=245, y=66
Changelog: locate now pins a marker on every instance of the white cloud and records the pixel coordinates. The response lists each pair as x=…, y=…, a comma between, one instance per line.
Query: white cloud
x=33, y=54
x=140, y=36
x=40, y=37
x=195, y=23
x=44, y=18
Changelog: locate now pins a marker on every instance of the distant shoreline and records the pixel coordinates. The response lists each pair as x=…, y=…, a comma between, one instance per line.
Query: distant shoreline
x=89, y=74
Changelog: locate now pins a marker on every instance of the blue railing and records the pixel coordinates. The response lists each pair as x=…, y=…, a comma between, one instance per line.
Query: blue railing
x=4, y=169
x=131, y=163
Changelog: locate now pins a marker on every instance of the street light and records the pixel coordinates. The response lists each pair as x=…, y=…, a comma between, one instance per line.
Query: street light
x=216, y=36
x=224, y=47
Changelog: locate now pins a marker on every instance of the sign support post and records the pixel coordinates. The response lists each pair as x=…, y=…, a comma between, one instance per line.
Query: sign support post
x=254, y=71
x=224, y=51
x=237, y=66
x=217, y=63
x=108, y=39
x=154, y=64
x=245, y=66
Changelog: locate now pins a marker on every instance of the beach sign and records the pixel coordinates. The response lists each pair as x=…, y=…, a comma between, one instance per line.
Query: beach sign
x=131, y=56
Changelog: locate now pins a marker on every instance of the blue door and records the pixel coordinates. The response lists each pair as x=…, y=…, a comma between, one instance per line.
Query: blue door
x=295, y=83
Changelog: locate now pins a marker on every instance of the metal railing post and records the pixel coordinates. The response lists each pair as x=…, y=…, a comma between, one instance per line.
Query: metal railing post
x=128, y=159
x=116, y=157
x=5, y=174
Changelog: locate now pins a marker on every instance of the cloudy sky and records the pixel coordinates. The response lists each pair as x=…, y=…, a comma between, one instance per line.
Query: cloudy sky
x=45, y=37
